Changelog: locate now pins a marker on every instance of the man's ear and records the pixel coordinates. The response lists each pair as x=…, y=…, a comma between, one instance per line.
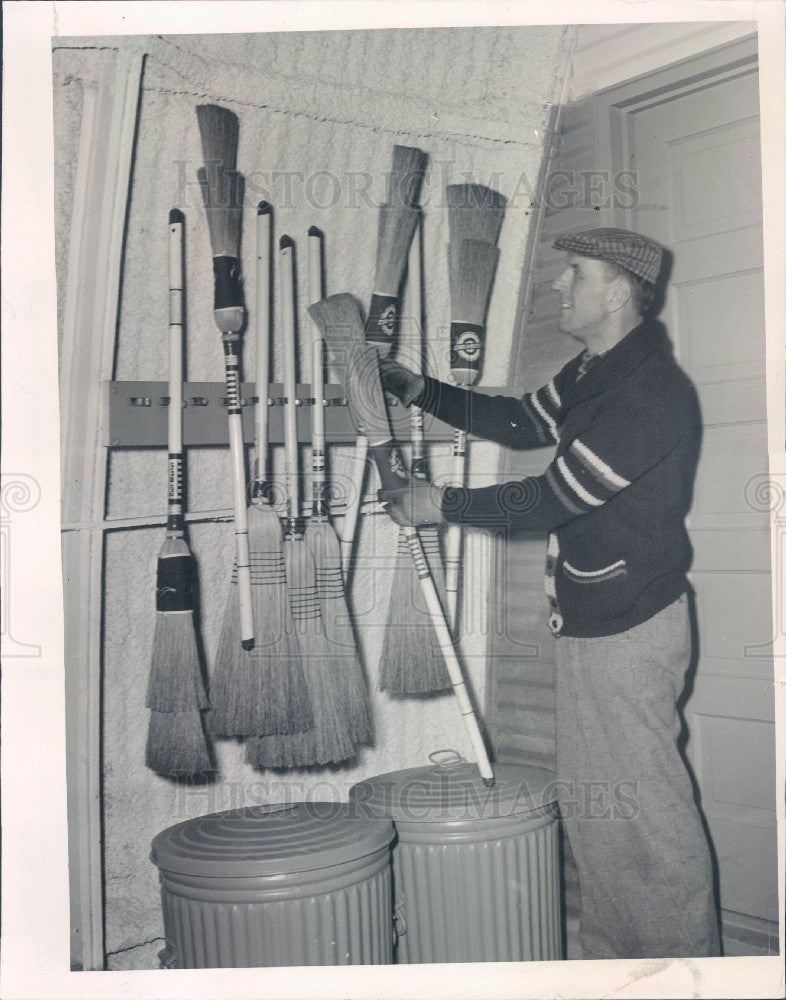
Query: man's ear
x=619, y=292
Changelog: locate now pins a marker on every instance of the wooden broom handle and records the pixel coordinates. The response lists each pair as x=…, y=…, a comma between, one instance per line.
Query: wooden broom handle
x=175, y=525
x=263, y=340
x=290, y=383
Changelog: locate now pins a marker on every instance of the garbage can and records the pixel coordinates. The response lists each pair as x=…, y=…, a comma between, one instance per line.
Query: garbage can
x=305, y=884
x=475, y=869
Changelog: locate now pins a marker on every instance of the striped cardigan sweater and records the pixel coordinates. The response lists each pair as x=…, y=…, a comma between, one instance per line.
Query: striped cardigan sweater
x=615, y=495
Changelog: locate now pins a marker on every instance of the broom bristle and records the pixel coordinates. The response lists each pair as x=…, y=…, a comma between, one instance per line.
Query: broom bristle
x=176, y=745
x=411, y=662
x=222, y=193
x=475, y=267
x=328, y=742
x=322, y=542
x=397, y=224
x=475, y=212
x=263, y=691
x=218, y=130
x=175, y=682
x=406, y=175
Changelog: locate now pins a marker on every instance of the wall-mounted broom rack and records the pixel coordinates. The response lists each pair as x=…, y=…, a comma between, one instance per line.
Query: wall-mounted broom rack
x=138, y=414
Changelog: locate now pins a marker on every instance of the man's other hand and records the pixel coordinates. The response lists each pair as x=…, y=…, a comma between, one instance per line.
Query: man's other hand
x=415, y=505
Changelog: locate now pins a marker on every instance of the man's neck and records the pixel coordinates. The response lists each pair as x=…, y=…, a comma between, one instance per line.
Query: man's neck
x=605, y=339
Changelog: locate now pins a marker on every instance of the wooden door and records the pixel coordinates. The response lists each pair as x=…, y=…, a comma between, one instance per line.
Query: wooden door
x=699, y=187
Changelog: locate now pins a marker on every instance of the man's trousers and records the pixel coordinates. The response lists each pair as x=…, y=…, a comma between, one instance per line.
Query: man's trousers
x=625, y=796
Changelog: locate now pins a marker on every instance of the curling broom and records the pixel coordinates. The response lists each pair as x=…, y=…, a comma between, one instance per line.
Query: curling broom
x=368, y=400
x=262, y=691
x=222, y=191
x=475, y=216
x=176, y=744
x=328, y=740
x=411, y=659
x=320, y=536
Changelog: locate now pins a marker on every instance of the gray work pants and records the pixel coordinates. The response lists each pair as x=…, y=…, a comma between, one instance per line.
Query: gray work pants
x=625, y=796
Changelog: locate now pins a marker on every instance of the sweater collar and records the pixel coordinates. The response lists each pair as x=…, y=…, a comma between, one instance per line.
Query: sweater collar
x=616, y=364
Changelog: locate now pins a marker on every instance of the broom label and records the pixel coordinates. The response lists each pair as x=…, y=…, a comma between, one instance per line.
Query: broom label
x=381, y=322
x=173, y=584
x=466, y=350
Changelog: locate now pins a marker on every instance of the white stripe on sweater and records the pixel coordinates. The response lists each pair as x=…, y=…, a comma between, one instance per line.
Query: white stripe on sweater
x=576, y=486
x=589, y=573
x=600, y=465
x=551, y=389
x=547, y=420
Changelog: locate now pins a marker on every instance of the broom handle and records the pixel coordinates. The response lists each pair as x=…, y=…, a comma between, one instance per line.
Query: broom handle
x=455, y=672
x=290, y=383
x=354, y=501
x=315, y=293
x=419, y=463
x=389, y=480
x=453, y=534
x=175, y=524
x=263, y=345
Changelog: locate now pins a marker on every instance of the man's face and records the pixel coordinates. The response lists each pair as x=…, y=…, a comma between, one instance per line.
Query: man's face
x=584, y=288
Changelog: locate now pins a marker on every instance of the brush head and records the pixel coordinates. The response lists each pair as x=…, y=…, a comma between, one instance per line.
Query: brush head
x=406, y=175
x=475, y=212
x=397, y=226
x=472, y=271
x=218, y=129
x=338, y=318
x=222, y=194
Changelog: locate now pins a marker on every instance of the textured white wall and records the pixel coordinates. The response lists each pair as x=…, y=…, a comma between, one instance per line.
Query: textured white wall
x=320, y=112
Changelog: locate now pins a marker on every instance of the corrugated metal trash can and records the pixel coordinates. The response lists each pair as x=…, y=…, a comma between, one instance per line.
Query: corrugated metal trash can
x=475, y=869
x=306, y=884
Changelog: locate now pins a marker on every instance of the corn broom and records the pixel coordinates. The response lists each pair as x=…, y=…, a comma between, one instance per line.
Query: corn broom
x=368, y=400
x=328, y=740
x=320, y=536
x=411, y=661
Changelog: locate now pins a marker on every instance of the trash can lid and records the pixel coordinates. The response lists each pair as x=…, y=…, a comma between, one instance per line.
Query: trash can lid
x=269, y=840
x=453, y=790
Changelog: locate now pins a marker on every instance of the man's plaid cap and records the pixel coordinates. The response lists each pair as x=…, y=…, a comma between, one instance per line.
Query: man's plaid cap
x=636, y=253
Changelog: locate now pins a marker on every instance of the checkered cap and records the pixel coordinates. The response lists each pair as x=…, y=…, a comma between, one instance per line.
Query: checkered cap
x=636, y=253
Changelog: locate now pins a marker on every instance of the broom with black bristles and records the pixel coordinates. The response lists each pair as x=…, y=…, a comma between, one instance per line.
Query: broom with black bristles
x=176, y=744
x=475, y=216
x=262, y=691
x=411, y=659
x=328, y=741
x=367, y=401
x=222, y=191
x=320, y=536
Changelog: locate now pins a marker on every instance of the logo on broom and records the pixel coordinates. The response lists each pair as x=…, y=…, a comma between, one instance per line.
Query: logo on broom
x=468, y=345
x=387, y=320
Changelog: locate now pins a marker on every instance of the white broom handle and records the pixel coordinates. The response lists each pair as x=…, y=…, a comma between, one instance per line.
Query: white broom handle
x=175, y=413
x=453, y=534
x=449, y=655
x=315, y=293
x=263, y=337
x=354, y=501
x=290, y=383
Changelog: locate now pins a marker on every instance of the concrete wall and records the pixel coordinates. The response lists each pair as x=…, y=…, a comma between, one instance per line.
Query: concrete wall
x=319, y=113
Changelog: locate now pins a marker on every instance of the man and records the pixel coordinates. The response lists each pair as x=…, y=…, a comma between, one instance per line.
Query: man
x=625, y=420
